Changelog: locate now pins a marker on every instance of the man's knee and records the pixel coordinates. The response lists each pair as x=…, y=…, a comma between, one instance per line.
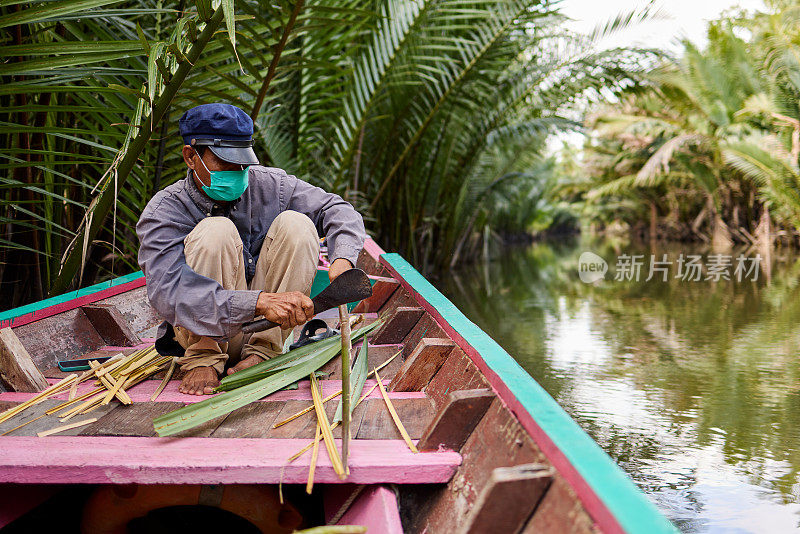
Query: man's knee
x=294, y=229
x=213, y=234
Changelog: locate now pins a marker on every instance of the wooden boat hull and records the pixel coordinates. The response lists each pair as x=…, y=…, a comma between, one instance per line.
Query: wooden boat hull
x=503, y=455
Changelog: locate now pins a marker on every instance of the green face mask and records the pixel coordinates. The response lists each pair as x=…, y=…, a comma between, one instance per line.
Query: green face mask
x=226, y=185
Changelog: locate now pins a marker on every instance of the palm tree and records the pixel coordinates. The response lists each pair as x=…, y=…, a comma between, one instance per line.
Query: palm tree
x=690, y=111
x=391, y=103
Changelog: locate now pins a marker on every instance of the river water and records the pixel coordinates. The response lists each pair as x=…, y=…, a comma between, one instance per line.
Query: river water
x=692, y=387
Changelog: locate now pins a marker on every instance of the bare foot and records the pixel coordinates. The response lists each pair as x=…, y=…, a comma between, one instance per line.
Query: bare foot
x=199, y=381
x=250, y=361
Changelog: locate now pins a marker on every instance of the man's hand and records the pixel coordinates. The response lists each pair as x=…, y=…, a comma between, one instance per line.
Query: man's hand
x=287, y=309
x=338, y=266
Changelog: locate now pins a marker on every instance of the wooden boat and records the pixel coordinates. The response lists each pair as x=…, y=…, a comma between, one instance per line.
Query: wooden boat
x=497, y=452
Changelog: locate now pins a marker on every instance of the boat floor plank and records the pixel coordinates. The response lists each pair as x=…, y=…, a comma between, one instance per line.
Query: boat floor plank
x=301, y=427
x=144, y=390
x=48, y=421
x=251, y=421
x=129, y=460
x=377, y=422
x=30, y=414
x=133, y=420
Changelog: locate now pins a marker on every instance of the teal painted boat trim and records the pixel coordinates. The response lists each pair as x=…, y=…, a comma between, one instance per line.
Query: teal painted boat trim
x=53, y=301
x=632, y=509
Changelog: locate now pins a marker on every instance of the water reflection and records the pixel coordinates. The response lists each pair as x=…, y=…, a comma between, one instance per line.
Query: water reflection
x=692, y=387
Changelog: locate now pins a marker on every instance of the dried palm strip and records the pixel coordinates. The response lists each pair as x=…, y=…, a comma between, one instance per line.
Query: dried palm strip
x=327, y=433
x=95, y=402
x=112, y=385
x=164, y=382
x=141, y=377
x=115, y=391
x=143, y=360
x=334, y=395
x=334, y=426
x=124, y=383
x=313, y=465
x=396, y=417
x=70, y=402
x=113, y=361
x=73, y=391
x=145, y=373
x=52, y=390
x=87, y=404
x=306, y=410
x=62, y=428
x=108, y=365
x=23, y=424
x=129, y=360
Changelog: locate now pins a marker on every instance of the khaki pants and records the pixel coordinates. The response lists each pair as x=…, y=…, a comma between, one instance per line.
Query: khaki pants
x=287, y=262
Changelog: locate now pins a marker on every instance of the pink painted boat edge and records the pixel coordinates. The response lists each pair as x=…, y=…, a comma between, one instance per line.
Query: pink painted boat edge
x=144, y=390
x=146, y=342
x=373, y=249
x=377, y=509
x=126, y=460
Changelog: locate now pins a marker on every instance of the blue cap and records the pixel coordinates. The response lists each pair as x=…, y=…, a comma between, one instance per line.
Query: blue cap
x=225, y=129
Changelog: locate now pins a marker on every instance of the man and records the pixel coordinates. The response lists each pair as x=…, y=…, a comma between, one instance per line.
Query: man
x=234, y=241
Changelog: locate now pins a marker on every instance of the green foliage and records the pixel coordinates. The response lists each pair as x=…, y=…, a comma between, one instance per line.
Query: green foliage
x=407, y=108
x=709, y=142
x=357, y=380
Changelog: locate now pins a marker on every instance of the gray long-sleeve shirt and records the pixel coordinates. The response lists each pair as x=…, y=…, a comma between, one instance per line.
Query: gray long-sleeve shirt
x=184, y=298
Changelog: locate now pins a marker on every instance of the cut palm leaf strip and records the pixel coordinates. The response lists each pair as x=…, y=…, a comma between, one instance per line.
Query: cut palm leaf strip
x=164, y=382
x=327, y=432
x=357, y=380
x=86, y=405
x=306, y=410
x=344, y=321
x=115, y=360
x=299, y=453
x=313, y=465
x=7, y=432
x=334, y=395
x=70, y=402
x=195, y=414
x=70, y=426
x=107, y=375
x=52, y=390
x=278, y=377
x=286, y=361
x=113, y=386
x=396, y=417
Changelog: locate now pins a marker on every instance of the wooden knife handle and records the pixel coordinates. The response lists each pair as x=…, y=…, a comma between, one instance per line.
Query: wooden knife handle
x=257, y=326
